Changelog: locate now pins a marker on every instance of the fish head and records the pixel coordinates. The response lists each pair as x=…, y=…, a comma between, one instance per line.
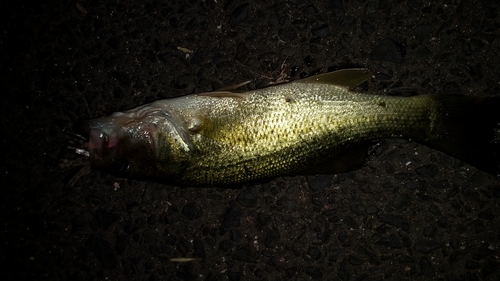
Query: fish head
x=144, y=143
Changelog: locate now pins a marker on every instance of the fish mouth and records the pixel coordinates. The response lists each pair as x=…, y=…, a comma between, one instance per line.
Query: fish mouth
x=104, y=134
x=100, y=148
x=98, y=144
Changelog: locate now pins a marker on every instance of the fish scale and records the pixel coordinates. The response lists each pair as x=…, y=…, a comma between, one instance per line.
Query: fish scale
x=313, y=125
x=266, y=135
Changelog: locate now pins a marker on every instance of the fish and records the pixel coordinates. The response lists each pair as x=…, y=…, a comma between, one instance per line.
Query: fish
x=315, y=125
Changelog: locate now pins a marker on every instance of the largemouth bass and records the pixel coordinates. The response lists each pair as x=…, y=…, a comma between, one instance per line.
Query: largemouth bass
x=313, y=125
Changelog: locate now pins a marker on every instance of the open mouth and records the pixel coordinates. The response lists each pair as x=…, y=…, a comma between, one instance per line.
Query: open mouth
x=98, y=141
x=98, y=144
x=110, y=140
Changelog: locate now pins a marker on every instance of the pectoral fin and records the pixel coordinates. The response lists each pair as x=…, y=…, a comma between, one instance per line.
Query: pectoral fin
x=348, y=78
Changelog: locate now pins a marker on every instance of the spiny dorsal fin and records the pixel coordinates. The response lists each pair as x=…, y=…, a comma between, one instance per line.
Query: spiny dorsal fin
x=345, y=78
x=227, y=92
x=233, y=87
x=222, y=94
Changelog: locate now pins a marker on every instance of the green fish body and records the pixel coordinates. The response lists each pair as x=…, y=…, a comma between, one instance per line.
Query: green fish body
x=314, y=125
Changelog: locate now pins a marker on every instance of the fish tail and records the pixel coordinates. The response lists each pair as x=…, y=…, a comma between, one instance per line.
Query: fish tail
x=468, y=128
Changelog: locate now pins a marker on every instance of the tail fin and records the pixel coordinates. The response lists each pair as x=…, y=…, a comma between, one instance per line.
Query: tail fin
x=468, y=128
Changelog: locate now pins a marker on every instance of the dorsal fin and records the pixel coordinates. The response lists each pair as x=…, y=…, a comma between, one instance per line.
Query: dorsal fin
x=222, y=94
x=348, y=78
x=227, y=92
x=233, y=87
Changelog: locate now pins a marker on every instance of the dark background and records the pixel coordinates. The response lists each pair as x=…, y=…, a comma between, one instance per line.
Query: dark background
x=411, y=213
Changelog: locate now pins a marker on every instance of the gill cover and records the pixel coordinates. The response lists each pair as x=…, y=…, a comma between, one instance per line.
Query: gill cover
x=174, y=148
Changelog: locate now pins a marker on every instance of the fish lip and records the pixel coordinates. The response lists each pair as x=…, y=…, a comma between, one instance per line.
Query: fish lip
x=101, y=138
x=97, y=143
x=83, y=129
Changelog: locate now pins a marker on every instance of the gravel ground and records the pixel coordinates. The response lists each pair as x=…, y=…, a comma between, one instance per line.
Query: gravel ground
x=411, y=213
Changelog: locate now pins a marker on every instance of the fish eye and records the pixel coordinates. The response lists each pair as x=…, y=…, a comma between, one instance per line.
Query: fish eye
x=103, y=137
x=121, y=166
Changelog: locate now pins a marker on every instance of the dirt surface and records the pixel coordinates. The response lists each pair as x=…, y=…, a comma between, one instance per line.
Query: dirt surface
x=411, y=213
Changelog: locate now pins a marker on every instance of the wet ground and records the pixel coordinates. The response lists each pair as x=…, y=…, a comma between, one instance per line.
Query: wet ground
x=411, y=213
